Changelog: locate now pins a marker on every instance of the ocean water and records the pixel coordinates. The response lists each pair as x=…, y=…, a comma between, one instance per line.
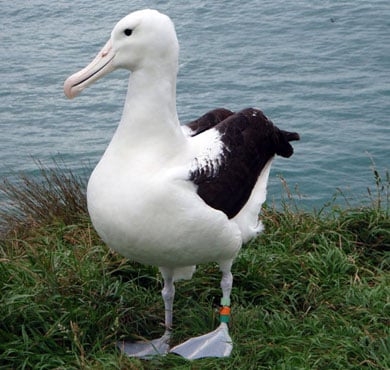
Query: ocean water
x=321, y=68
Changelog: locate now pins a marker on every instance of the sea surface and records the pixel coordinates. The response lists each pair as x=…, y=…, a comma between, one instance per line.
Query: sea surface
x=321, y=68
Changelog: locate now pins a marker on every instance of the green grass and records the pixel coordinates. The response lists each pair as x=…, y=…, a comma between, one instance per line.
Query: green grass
x=311, y=293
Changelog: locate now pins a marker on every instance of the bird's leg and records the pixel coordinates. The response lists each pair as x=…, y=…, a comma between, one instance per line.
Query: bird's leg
x=218, y=342
x=158, y=346
x=226, y=286
x=168, y=294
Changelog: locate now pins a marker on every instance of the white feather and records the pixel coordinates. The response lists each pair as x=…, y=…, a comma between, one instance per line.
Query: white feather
x=248, y=218
x=208, y=152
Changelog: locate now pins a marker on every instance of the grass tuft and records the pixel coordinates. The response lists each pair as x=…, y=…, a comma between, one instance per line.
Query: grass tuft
x=57, y=195
x=312, y=292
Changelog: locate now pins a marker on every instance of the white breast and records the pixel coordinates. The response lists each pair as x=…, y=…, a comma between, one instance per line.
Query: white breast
x=154, y=216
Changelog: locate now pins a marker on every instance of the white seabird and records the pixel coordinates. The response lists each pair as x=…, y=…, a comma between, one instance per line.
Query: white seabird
x=169, y=195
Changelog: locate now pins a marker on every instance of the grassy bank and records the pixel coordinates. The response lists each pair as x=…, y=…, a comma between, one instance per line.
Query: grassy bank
x=311, y=293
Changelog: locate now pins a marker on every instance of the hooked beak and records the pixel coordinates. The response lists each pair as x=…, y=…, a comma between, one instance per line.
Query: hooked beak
x=100, y=66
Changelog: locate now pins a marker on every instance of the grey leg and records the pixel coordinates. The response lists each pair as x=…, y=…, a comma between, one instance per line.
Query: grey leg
x=226, y=283
x=168, y=295
x=158, y=346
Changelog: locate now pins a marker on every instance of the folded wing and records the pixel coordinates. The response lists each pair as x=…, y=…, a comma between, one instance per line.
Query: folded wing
x=247, y=141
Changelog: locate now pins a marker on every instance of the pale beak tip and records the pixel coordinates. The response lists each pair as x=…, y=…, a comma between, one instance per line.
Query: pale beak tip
x=69, y=89
x=101, y=65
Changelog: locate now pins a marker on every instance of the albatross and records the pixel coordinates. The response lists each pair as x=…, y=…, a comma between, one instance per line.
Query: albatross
x=171, y=195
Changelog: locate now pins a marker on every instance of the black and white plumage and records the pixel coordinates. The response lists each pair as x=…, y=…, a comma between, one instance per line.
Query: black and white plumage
x=249, y=140
x=169, y=195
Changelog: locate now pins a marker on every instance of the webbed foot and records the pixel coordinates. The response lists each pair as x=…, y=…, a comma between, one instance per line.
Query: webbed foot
x=147, y=349
x=214, y=344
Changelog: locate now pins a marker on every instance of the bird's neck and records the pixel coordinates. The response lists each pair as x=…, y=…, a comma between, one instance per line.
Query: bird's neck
x=149, y=116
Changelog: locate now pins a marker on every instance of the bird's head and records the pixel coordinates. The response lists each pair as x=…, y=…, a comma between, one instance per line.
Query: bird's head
x=142, y=39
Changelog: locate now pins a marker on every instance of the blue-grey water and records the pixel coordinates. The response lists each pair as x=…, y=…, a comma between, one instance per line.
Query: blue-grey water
x=321, y=68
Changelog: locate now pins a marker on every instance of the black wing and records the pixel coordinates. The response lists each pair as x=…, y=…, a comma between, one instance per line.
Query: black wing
x=249, y=140
x=208, y=120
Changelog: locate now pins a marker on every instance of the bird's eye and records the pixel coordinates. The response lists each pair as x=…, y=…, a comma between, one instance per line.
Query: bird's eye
x=128, y=31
